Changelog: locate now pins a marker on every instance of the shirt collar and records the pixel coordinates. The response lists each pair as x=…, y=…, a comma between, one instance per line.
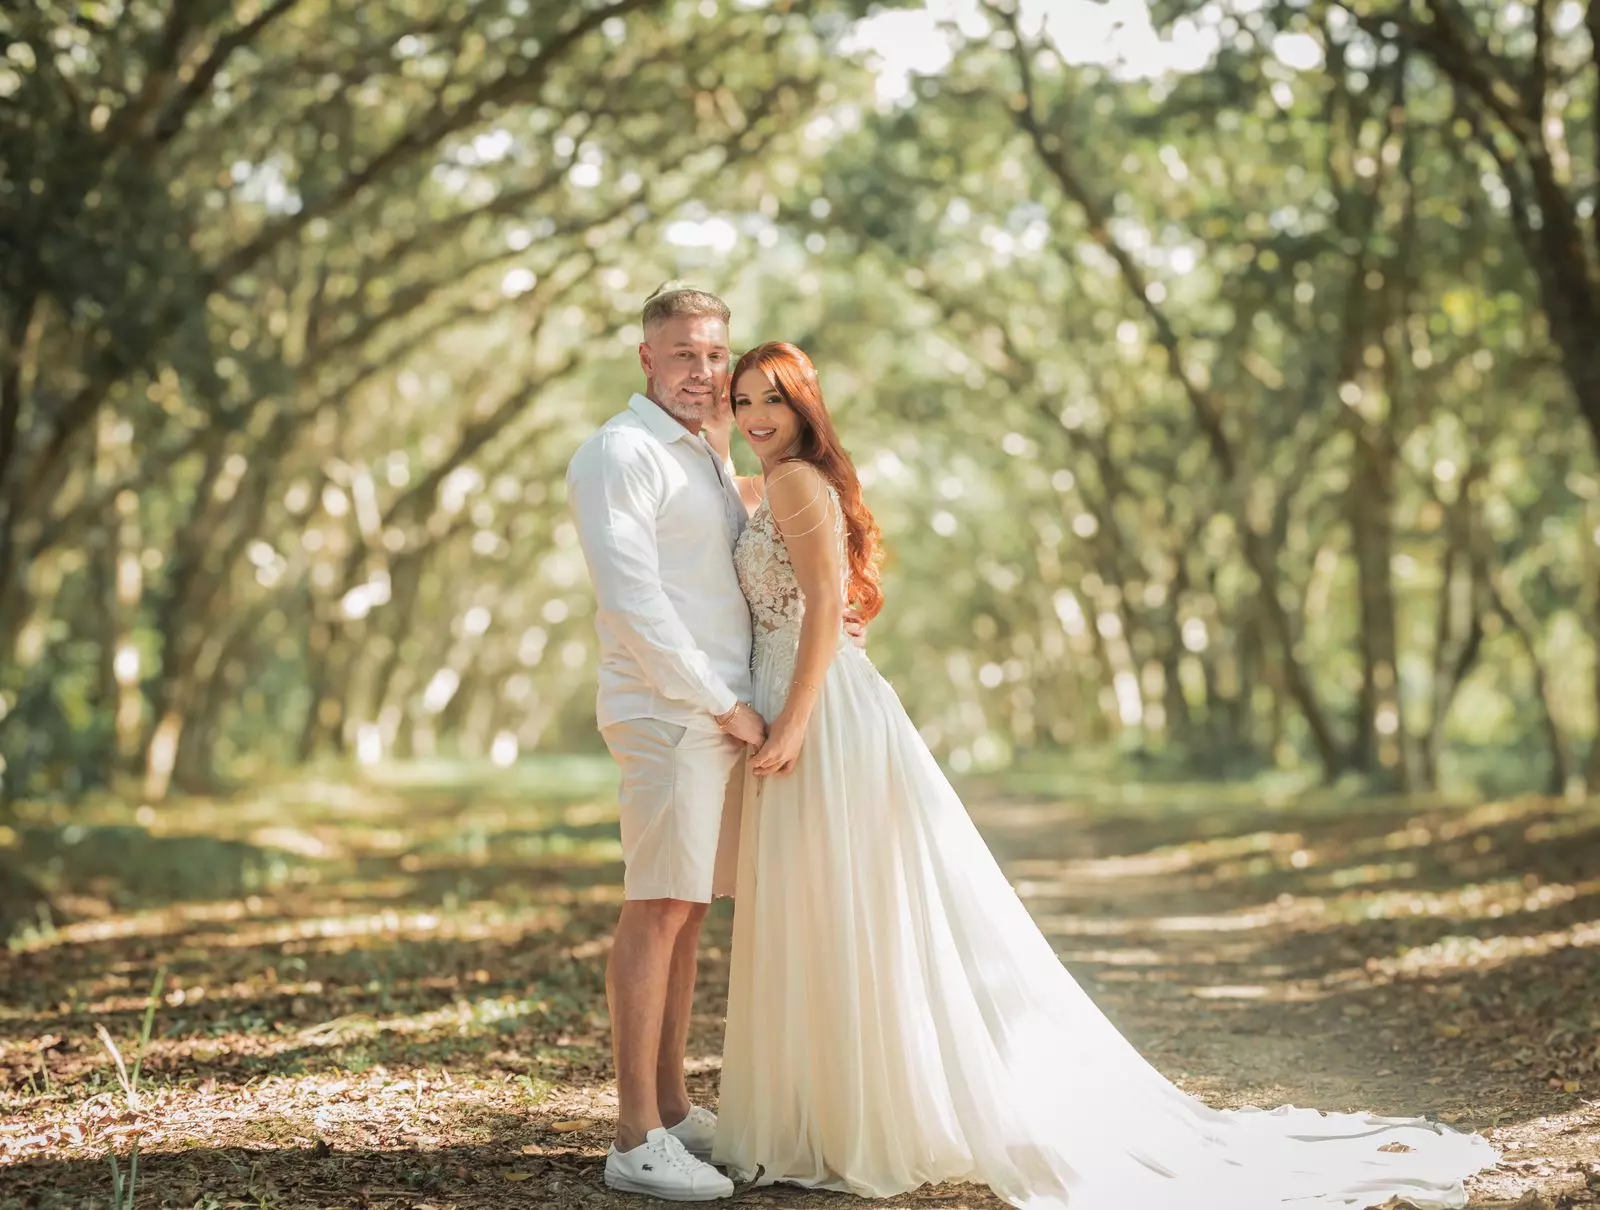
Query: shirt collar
x=662, y=426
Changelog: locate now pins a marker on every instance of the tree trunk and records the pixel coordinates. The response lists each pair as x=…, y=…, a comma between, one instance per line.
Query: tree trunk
x=1592, y=771
x=1458, y=628
x=1379, y=748
x=23, y=904
x=1206, y=408
x=1508, y=603
x=213, y=682
x=184, y=687
x=324, y=719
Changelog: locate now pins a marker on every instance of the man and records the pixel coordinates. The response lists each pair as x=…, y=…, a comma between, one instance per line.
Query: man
x=658, y=513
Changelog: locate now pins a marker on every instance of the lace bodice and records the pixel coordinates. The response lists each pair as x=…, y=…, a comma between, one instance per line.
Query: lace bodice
x=777, y=606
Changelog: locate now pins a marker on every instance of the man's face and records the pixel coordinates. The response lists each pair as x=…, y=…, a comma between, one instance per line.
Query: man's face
x=686, y=363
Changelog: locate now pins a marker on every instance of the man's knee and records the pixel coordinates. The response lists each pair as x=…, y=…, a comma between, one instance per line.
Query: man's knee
x=666, y=917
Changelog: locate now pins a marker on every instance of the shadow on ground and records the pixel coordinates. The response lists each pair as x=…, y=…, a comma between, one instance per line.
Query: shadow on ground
x=392, y=994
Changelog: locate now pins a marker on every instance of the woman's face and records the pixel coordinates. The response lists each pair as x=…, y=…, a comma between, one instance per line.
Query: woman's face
x=767, y=422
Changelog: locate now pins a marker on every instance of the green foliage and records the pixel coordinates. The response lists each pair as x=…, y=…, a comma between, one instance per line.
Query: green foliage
x=1235, y=417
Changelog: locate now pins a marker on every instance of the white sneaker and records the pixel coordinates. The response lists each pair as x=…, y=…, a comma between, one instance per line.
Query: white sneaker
x=660, y=1167
x=696, y=1132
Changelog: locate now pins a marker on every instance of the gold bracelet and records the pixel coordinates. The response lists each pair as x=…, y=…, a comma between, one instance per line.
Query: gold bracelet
x=722, y=720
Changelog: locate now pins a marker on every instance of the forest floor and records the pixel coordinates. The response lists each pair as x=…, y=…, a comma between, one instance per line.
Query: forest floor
x=391, y=995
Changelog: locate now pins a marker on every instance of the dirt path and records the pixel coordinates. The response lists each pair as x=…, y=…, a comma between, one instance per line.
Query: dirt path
x=400, y=1003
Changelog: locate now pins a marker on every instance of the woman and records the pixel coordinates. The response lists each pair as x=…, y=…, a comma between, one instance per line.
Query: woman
x=895, y=1018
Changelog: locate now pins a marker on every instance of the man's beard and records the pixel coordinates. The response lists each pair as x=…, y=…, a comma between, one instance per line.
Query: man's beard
x=691, y=412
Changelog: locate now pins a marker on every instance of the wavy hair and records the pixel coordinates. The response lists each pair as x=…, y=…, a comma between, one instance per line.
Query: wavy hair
x=791, y=371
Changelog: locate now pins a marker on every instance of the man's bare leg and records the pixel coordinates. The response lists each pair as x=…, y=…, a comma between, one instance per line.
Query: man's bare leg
x=672, y=1092
x=638, y=978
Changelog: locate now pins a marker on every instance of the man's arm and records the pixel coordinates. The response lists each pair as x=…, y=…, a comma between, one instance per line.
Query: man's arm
x=614, y=493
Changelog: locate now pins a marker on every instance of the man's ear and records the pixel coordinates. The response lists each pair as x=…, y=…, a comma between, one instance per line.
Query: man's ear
x=644, y=359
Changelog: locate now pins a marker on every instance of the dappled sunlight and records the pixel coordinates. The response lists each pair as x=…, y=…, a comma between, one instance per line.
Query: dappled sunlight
x=322, y=922
x=441, y=988
x=1485, y=901
x=337, y=1109
x=474, y=922
x=1251, y=991
x=462, y=1016
x=1454, y=954
x=1220, y=378
x=1502, y=900
x=1230, y=922
x=1121, y=956
x=1362, y=875
x=1059, y=925
x=1172, y=859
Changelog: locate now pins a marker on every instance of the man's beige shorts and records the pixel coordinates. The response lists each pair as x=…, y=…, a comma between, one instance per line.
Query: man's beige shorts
x=680, y=804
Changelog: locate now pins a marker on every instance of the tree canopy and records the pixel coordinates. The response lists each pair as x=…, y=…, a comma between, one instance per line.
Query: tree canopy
x=1235, y=408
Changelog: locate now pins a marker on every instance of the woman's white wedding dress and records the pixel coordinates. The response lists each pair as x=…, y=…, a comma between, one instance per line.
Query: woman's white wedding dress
x=895, y=1017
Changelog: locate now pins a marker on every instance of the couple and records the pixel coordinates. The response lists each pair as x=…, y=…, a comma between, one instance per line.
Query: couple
x=894, y=1016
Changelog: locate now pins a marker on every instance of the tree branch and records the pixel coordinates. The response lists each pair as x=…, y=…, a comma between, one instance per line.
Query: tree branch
x=1592, y=20
x=1539, y=70
x=1208, y=414
x=172, y=119
x=1450, y=43
x=16, y=336
x=422, y=137
x=175, y=34
x=1052, y=154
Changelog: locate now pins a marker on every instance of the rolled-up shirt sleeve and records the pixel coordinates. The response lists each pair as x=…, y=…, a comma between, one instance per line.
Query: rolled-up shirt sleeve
x=614, y=492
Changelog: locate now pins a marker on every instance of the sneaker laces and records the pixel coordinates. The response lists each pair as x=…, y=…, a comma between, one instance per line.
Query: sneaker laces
x=676, y=1155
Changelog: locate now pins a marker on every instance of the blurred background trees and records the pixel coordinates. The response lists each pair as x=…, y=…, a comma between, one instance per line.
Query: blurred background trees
x=1226, y=376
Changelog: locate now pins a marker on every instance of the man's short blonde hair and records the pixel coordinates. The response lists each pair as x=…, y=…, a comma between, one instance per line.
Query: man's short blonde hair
x=674, y=300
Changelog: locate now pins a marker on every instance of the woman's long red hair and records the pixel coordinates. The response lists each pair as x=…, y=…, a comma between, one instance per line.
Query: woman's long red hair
x=791, y=371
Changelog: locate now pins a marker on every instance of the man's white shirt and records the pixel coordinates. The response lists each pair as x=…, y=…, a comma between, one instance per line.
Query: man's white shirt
x=658, y=515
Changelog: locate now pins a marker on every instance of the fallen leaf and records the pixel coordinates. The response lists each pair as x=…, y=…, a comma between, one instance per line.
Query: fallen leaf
x=1449, y=1031
x=1572, y=1086
x=533, y=1149
x=517, y=1176
x=574, y=1125
x=1394, y=1147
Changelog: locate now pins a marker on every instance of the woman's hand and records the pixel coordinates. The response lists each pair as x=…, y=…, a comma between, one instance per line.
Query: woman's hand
x=718, y=428
x=782, y=749
x=855, y=627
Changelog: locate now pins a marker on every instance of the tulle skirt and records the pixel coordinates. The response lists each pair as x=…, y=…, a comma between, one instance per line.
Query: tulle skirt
x=895, y=1018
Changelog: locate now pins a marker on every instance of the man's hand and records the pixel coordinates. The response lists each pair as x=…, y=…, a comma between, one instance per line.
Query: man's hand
x=782, y=749
x=746, y=726
x=855, y=627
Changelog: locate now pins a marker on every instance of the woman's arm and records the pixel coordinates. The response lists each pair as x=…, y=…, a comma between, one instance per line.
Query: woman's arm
x=806, y=516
